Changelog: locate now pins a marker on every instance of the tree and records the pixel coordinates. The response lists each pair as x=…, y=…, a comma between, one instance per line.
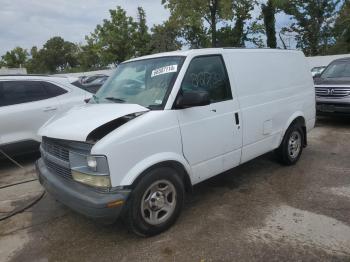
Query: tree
x=191, y=15
x=197, y=36
x=142, y=36
x=57, y=55
x=164, y=38
x=241, y=31
x=312, y=23
x=115, y=37
x=90, y=57
x=342, y=30
x=37, y=63
x=15, y=58
x=242, y=9
x=268, y=11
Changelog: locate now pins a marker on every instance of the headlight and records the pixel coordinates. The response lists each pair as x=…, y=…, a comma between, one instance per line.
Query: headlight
x=92, y=180
x=92, y=163
x=91, y=170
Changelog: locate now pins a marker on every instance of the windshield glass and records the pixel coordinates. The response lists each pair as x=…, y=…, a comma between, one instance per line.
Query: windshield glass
x=145, y=82
x=337, y=69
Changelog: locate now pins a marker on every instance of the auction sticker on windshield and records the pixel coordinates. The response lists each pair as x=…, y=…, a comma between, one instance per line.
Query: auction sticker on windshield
x=164, y=70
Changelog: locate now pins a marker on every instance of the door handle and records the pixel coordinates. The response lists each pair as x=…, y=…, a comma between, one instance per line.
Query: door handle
x=237, y=118
x=50, y=108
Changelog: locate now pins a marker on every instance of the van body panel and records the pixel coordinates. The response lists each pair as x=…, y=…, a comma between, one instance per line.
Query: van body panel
x=268, y=101
x=210, y=137
x=132, y=148
x=77, y=123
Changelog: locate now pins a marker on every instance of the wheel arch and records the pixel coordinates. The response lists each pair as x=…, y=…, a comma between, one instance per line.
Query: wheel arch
x=140, y=170
x=173, y=164
x=296, y=118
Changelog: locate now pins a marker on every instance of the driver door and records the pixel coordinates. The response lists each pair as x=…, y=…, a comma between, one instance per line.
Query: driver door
x=211, y=134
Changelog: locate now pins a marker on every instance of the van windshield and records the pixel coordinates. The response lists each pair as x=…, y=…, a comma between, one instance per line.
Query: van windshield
x=145, y=82
x=337, y=70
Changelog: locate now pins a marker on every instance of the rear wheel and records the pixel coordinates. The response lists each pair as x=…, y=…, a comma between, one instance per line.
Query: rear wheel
x=291, y=147
x=156, y=202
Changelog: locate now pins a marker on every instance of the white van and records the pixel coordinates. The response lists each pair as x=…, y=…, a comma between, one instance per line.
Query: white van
x=165, y=122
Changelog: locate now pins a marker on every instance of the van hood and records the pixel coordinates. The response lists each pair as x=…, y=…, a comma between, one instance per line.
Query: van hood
x=77, y=123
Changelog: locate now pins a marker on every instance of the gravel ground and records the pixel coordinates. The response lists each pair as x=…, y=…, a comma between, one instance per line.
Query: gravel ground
x=260, y=211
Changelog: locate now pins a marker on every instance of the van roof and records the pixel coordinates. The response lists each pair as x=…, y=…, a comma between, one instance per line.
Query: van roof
x=204, y=51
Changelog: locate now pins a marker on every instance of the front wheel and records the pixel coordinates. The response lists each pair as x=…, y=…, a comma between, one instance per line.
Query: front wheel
x=156, y=202
x=291, y=147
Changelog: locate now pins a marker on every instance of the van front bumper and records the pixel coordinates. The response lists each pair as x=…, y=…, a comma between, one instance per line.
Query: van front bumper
x=81, y=198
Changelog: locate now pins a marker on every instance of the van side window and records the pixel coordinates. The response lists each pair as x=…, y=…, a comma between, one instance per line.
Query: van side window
x=208, y=73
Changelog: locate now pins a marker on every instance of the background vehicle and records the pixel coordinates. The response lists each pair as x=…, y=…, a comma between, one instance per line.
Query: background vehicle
x=165, y=122
x=91, y=83
x=89, y=79
x=316, y=71
x=27, y=102
x=333, y=88
x=94, y=85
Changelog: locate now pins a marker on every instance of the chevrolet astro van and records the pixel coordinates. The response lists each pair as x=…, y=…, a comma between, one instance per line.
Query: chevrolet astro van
x=163, y=123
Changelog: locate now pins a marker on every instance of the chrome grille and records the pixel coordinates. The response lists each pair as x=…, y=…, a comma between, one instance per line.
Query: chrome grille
x=55, y=149
x=55, y=153
x=333, y=92
x=58, y=170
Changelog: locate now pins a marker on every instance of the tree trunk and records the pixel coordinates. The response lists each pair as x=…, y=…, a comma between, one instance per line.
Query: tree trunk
x=213, y=6
x=269, y=11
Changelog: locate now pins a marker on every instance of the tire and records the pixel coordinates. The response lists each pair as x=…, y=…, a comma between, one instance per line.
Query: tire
x=290, y=154
x=156, y=202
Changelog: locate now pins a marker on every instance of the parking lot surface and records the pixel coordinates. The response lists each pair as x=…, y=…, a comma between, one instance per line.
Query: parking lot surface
x=260, y=211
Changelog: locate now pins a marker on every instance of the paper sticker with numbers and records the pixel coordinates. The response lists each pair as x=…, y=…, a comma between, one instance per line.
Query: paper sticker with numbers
x=164, y=70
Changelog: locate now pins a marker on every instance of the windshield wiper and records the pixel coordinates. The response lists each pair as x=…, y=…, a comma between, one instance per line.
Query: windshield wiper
x=154, y=107
x=115, y=99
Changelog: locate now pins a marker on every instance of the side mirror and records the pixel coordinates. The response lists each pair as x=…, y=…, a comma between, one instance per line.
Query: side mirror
x=192, y=99
x=317, y=75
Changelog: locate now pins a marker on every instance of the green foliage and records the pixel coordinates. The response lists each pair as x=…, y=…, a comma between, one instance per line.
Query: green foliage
x=312, y=23
x=115, y=37
x=142, y=36
x=56, y=55
x=165, y=38
x=197, y=36
x=15, y=58
x=202, y=22
x=190, y=15
x=89, y=57
x=242, y=13
x=342, y=31
x=254, y=34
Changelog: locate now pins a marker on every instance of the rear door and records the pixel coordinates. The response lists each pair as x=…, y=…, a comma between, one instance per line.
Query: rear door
x=74, y=96
x=211, y=135
x=24, y=107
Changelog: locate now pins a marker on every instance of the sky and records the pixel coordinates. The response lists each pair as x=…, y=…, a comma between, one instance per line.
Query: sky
x=28, y=23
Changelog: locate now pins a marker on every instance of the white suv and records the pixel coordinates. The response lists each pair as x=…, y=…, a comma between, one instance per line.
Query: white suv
x=27, y=102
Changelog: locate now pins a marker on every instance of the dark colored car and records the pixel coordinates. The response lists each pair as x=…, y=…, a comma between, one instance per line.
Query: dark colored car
x=333, y=88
